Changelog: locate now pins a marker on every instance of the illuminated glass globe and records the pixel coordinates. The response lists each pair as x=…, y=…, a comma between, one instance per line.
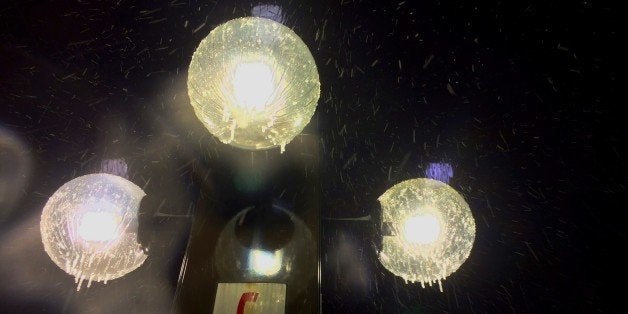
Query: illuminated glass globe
x=89, y=228
x=432, y=230
x=253, y=83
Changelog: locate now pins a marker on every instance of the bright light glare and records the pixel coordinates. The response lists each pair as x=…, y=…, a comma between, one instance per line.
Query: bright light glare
x=265, y=263
x=423, y=229
x=99, y=226
x=253, y=85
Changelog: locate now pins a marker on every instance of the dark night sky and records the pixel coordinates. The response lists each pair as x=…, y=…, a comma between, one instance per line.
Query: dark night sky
x=521, y=98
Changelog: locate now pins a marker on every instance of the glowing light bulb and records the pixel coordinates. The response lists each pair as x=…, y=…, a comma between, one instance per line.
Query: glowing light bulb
x=422, y=229
x=99, y=226
x=253, y=83
x=89, y=228
x=433, y=230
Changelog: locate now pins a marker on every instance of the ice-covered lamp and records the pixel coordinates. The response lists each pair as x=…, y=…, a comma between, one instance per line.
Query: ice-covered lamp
x=89, y=227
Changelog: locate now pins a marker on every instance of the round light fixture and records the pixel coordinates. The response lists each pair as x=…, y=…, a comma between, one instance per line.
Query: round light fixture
x=253, y=83
x=432, y=229
x=89, y=228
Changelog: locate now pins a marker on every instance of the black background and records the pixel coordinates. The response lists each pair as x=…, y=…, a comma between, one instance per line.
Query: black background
x=521, y=98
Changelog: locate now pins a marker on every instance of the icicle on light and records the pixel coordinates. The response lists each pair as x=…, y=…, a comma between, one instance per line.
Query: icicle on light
x=89, y=228
x=253, y=83
x=433, y=230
